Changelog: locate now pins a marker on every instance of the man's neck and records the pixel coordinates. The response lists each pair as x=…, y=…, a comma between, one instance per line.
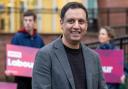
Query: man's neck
x=73, y=45
x=30, y=32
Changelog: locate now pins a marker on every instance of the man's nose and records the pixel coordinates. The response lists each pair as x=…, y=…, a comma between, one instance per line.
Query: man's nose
x=76, y=24
x=27, y=21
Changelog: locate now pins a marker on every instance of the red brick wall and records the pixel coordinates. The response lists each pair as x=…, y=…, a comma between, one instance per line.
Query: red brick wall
x=112, y=3
x=116, y=18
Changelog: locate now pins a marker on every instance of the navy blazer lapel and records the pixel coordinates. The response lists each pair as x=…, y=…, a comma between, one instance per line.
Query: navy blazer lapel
x=62, y=57
x=88, y=67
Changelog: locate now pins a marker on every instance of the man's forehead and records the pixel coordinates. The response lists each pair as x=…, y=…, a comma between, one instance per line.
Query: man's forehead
x=75, y=9
x=25, y=17
x=75, y=13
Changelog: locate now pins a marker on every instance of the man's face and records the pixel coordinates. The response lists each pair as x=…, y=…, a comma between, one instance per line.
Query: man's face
x=28, y=22
x=74, y=25
x=103, y=36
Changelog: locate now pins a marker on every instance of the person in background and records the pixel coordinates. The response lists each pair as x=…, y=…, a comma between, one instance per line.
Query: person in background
x=106, y=35
x=66, y=63
x=27, y=36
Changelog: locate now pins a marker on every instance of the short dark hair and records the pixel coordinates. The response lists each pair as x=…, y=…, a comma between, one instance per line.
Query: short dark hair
x=30, y=13
x=72, y=5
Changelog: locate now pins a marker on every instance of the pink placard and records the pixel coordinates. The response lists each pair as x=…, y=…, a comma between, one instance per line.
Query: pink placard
x=112, y=62
x=6, y=85
x=20, y=60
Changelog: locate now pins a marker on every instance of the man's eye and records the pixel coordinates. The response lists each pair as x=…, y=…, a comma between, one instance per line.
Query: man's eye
x=30, y=20
x=25, y=19
x=70, y=21
x=81, y=21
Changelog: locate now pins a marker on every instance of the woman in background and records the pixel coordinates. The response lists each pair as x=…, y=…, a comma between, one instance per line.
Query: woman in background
x=106, y=34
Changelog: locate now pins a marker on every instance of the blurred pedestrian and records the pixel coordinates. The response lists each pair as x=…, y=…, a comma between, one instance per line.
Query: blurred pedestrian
x=27, y=36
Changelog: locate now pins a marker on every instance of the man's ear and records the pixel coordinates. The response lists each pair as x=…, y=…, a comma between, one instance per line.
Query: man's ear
x=61, y=24
x=61, y=21
x=87, y=27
